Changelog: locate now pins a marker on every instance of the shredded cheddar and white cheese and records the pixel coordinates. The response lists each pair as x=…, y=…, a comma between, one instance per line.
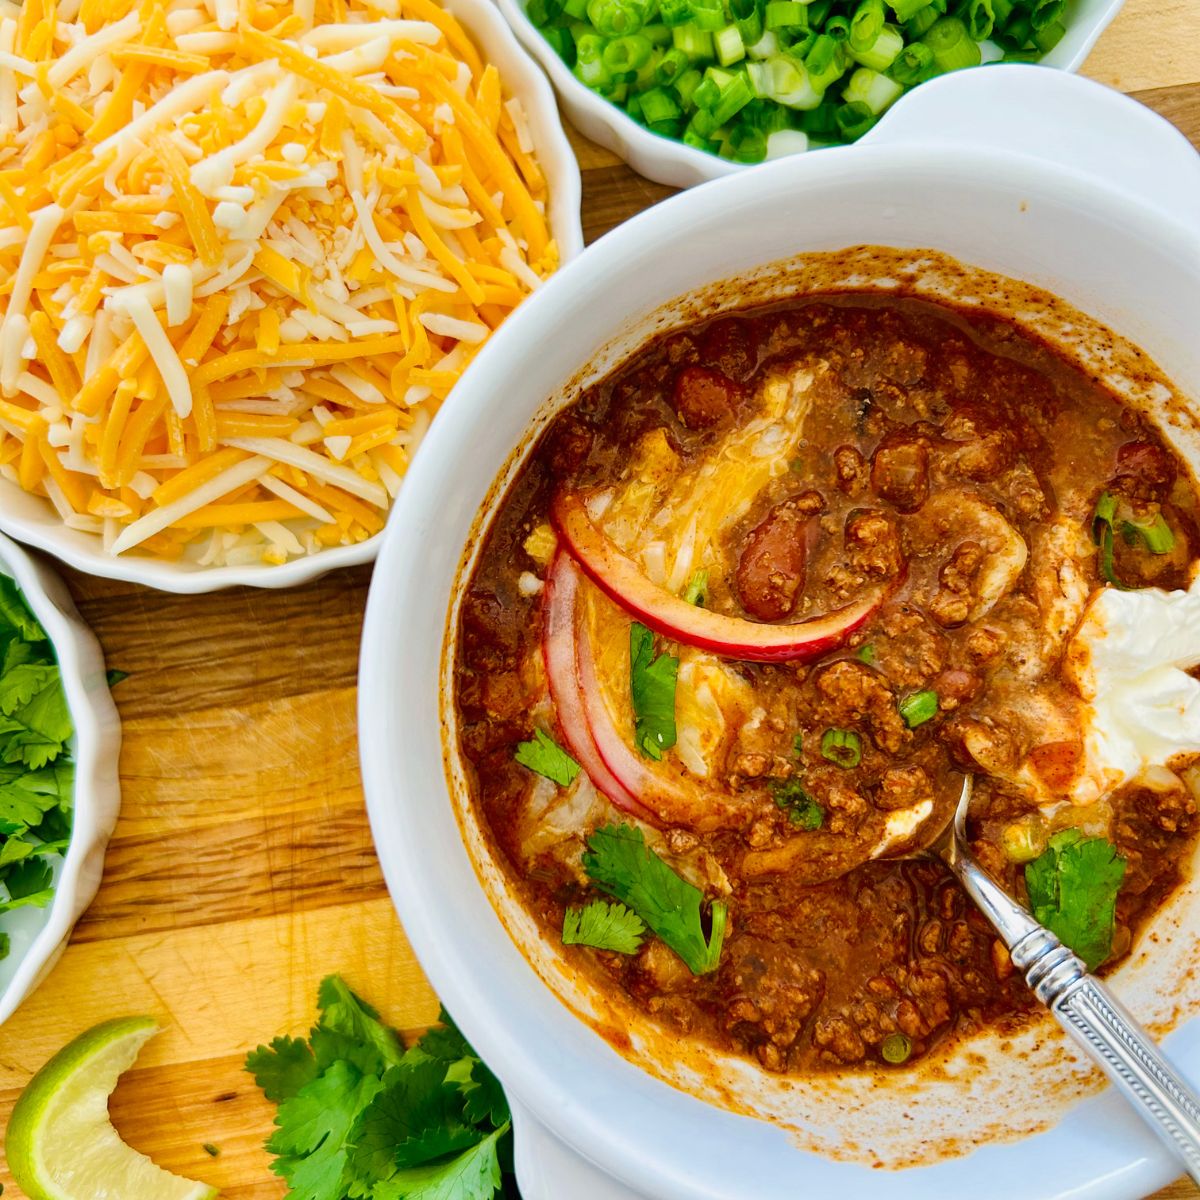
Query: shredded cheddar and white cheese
x=246, y=249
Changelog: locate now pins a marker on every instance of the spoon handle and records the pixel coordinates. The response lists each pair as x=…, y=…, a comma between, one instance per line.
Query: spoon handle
x=1102, y=1025
x=1094, y=1018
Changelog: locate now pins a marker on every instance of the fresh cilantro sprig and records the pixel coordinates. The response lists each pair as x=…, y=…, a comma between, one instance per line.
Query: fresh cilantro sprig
x=652, y=683
x=619, y=862
x=37, y=777
x=604, y=926
x=361, y=1118
x=545, y=756
x=1073, y=886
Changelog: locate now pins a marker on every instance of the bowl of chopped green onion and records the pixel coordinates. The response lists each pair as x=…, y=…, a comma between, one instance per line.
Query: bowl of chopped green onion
x=689, y=90
x=59, y=786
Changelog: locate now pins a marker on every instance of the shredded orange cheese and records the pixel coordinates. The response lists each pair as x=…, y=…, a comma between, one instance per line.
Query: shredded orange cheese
x=245, y=252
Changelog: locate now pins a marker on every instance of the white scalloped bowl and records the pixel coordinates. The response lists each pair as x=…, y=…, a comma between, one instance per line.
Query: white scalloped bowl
x=671, y=162
x=1047, y=179
x=39, y=936
x=33, y=520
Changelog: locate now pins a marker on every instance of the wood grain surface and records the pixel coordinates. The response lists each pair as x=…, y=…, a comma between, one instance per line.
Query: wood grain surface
x=242, y=870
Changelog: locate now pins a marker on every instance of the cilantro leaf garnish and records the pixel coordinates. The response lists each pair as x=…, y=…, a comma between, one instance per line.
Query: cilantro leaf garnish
x=652, y=683
x=283, y=1068
x=1073, y=886
x=604, y=926
x=545, y=756
x=619, y=862
x=472, y=1175
x=361, y=1118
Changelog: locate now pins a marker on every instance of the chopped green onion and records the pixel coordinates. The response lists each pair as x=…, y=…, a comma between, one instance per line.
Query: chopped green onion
x=672, y=64
x=1046, y=12
x=1021, y=56
x=674, y=12
x=854, y=119
x=729, y=45
x=981, y=19
x=658, y=105
x=918, y=708
x=1046, y=38
x=686, y=85
x=798, y=743
x=708, y=14
x=735, y=95
x=896, y=1049
x=693, y=41
x=613, y=18
x=745, y=144
x=867, y=654
x=802, y=810
x=824, y=62
x=628, y=53
x=913, y=64
x=1019, y=31
x=882, y=52
x=697, y=589
x=838, y=28
x=1155, y=535
x=905, y=10
x=843, y=747
x=562, y=43
x=785, y=14
x=592, y=72
x=866, y=24
x=794, y=73
x=951, y=45
x=1102, y=535
x=876, y=91
x=697, y=142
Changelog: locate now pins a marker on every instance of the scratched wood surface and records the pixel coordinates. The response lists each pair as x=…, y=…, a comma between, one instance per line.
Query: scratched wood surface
x=242, y=870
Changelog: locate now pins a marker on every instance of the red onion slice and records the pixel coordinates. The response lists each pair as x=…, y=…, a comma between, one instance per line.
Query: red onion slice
x=559, y=621
x=620, y=578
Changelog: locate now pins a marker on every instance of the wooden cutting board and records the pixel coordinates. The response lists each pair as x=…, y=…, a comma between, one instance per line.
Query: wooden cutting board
x=242, y=869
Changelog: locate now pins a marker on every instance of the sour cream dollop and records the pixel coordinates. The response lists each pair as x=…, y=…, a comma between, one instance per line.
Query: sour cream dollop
x=1129, y=660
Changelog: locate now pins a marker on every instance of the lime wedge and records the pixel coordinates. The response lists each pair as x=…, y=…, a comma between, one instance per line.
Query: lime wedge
x=61, y=1144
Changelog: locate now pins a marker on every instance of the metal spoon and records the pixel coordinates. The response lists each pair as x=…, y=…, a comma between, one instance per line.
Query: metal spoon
x=1095, y=1019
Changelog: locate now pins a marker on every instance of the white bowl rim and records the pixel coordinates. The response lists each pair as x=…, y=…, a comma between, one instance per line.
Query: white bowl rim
x=562, y=171
x=383, y=751
x=667, y=161
x=96, y=752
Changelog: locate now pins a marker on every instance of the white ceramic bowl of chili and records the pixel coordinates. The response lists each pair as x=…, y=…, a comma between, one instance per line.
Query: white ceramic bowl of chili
x=33, y=520
x=1041, y=177
x=668, y=161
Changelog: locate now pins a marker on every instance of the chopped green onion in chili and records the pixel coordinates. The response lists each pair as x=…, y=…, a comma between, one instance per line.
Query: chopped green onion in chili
x=918, y=708
x=793, y=798
x=1155, y=535
x=697, y=589
x=842, y=747
x=867, y=654
x=896, y=1049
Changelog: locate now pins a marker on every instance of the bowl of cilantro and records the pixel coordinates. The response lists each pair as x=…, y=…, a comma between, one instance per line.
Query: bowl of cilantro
x=59, y=788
